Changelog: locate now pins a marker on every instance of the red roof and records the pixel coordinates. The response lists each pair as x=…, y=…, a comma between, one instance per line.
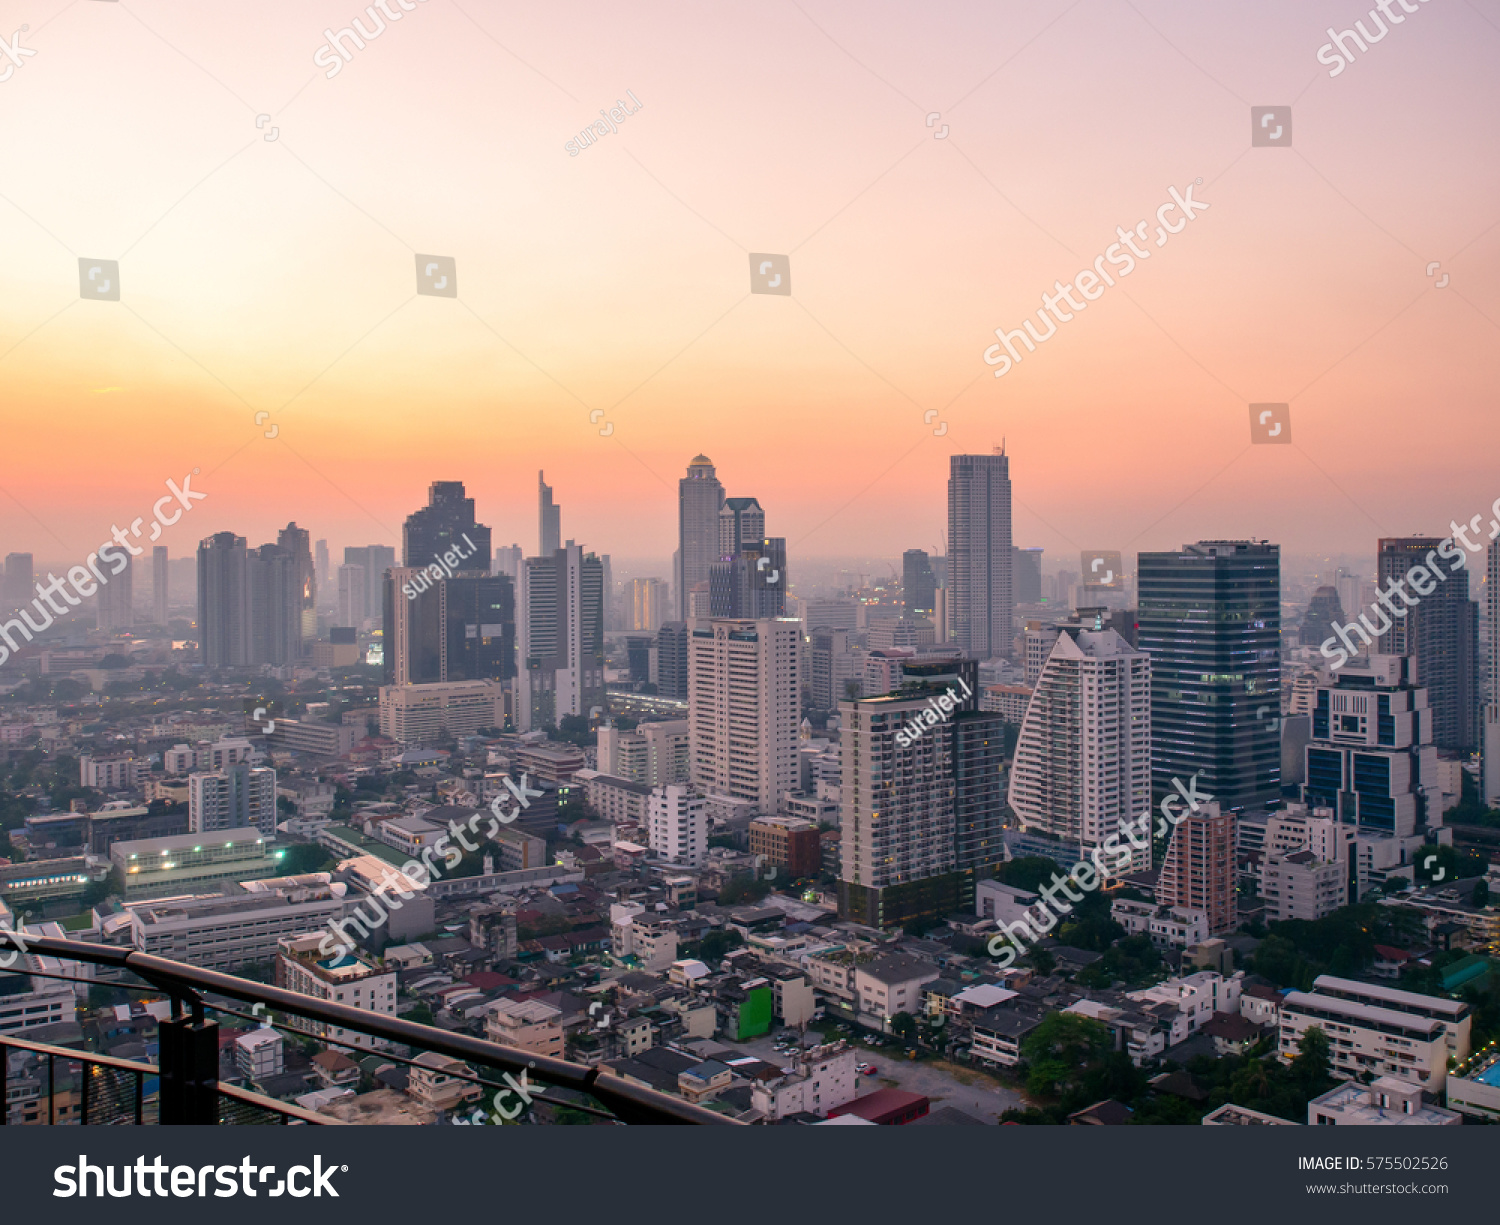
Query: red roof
x=1386, y=953
x=884, y=1106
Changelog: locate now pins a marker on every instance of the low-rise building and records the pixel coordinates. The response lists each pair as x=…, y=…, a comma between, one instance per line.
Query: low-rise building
x=193, y=863
x=342, y=978
x=788, y=843
x=260, y=1054
x=1166, y=926
x=820, y=1079
x=1385, y=1102
x=1455, y=1015
x=891, y=984
x=1299, y=885
x=1363, y=1039
x=435, y=1083
x=530, y=1025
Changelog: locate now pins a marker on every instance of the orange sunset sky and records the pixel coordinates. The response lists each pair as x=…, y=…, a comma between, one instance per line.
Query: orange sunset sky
x=278, y=276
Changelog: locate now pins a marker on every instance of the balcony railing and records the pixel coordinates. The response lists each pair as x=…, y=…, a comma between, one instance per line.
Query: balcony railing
x=183, y=1086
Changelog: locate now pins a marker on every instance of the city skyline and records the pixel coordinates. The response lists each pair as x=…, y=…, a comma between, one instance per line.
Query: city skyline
x=275, y=276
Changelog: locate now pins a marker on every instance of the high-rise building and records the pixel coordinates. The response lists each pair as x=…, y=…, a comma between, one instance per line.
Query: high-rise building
x=161, y=572
x=672, y=660
x=751, y=584
x=321, y=570
x=236, y=797
x=744, y=707
x=274, y=578
x=918, y=583
x=677, y=824
x=1210, y=618
x=741, y=522
x=560, y=617
x=354, y=588
x=374, y=560
x=549, y=519
x=116, y=607
x=1198, y=871
x=461, y=628
x=980, y=596
x=1027, y=575
x=648, y=604
x=903, y=854
x=1322, y=611
x=699, y=498
x=1371, y=758
x=834, y=664
x=18, y=580
x=1490, y=729
x=441, y=526
x=507, y=561
x=1440, y=629
x=223, y=602
x=1083, y=760
x=297, y=542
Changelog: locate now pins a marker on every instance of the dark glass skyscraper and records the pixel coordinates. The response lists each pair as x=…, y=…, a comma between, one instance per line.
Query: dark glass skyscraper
x=672, y=660
x=1210, y=618
x=223, y=605
x=1440, y=631
x=918, y=583
x=1028, y=576
x=457, y=629
x=442, y=525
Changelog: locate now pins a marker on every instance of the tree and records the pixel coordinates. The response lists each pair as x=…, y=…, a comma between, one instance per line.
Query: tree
x=716, y=944
x=302, y=857
x=1063, y=1051
x=1481, y=894
x=1312, y=1069
x=904, y=1026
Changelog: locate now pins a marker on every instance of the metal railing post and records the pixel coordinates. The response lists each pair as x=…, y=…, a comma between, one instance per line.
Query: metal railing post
x=189, y=1072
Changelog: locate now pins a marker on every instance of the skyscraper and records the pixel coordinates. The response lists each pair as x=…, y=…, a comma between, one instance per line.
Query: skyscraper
x=223, y=604
x=549, y=519
x=980, y=599
x=1083, y=760
x=1371, y=758
x=461, y=628
x=374, y=560
x=699, y=499
x=18, y=580
x=672, y=660
x=1490, y=728
x=274, y=582
x=1440, y=630
x=507, y=561
x=298, y=543
x=916, y=820
x=1210, y=618
x=321, y=571
x=918, y=583
x=160, y=582
x=560, y=641
x=1322, y=611
x=441, y=525
x=741, y=522
x=750, y=584
x=648, y=604
x=1028, y=575
x=354, y=587
x=744, y=707
x=116, y=607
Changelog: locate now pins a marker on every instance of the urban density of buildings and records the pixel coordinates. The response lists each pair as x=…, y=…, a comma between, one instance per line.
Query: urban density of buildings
x=797, y=843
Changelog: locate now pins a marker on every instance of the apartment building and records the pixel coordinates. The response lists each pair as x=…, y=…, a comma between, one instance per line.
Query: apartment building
x=234, y=797
x=1455, y=1015
x=414, y=714
x=530, y=1025
x=789, y=843
x=744, y=708
x=655, y=754
x=1363, y=1039
x=1299, y=885
x=677, y=825
x=343, y=978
